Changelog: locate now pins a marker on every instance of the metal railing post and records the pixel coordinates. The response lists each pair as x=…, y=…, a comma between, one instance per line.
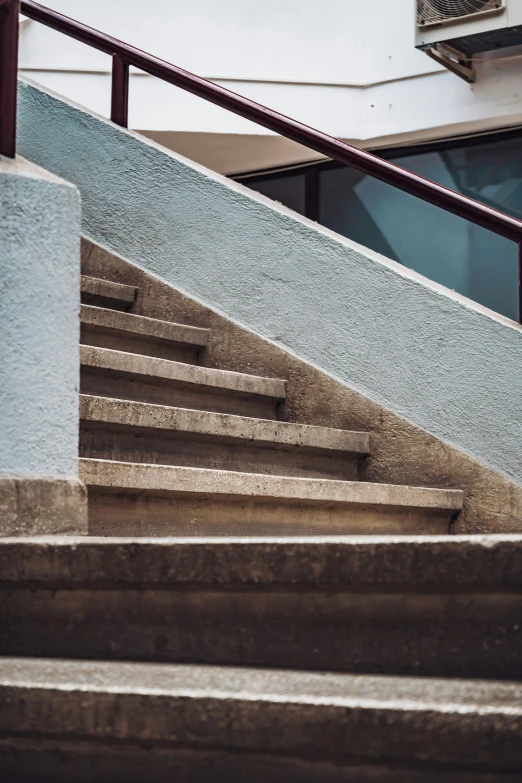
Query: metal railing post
x=9, y=12
x=520, y=282
x=120, y=91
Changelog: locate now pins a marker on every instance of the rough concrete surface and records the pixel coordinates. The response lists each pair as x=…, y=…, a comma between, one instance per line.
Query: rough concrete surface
x=129, y=431
x=37, y=506
x=113, y=320
x=140, y=499
x=443, y=607
x=106, y=289
x=131, y=364
x=330, y=716
x=455, y=562
x=172, y=381
x=400, y=452
x=272, y=433
x=39, y=308
x=435, y=359
x=83, y=762
x=230, y=484
x=123, y=331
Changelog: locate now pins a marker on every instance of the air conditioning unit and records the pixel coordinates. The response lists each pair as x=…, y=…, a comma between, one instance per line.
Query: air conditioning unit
x=453, y=31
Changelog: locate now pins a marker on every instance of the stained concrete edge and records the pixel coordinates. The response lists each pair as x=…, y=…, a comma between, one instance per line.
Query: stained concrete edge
x=338, y=562
x=413, y=719
x=33, y=506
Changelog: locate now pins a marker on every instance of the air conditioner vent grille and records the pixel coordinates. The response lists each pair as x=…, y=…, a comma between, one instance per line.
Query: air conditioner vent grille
x=440, y=11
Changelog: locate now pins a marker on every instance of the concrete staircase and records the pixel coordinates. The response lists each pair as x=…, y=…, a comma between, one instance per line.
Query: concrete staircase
x=172, y=447
x=194, y=642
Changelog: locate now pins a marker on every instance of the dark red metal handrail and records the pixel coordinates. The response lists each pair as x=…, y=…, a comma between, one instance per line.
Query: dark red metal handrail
x=124, y=56
x=9, y=10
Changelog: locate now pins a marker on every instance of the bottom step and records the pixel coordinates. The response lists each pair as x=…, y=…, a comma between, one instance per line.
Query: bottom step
x=140, y=499
x=61, y=719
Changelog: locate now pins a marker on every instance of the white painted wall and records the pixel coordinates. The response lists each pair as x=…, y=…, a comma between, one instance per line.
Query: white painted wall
x=348, y=67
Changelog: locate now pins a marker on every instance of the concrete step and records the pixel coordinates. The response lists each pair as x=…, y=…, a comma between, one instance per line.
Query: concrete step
x=106, y=293
x=140, y=499
x=233, y=716
x=438, y=606
x=130, y=431
x=121, y=375
x=138, y=334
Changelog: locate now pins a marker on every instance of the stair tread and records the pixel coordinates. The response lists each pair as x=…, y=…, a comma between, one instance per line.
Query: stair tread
x=108, y=289
x=129, y=323
x=228, y=485
x=224, y=425
x=270, y=710
x=165, y=369
x=245, y=683
x=347, y=562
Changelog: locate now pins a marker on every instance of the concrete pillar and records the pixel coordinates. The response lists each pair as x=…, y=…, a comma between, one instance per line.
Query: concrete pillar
x=39, y=353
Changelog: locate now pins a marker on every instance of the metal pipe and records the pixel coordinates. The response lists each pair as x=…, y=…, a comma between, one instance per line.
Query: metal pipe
x=9, y=12
x=120, y=91
x=520, y=282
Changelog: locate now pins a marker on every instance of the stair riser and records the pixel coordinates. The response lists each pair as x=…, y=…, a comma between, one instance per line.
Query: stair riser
x=140, y=344
x=454, y=635
x=136, y=444
x=320, y=731
x=84, y=762
x=126, y=514
x=97, y=300
x=104, y=383
x=106, y=293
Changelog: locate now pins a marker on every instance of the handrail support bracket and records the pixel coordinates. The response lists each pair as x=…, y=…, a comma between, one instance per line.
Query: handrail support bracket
x=454, y=61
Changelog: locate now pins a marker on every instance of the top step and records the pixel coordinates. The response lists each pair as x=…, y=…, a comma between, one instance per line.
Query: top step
x=97, y=291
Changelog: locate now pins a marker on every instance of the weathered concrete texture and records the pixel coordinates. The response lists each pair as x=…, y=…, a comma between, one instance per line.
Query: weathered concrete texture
x=437, y=360
x=107, y=290
x=330, y=717
x=53, y=761
x=119, y=361
x=139, y=499
x=38, y=506
x=135, y=333
x=119, y=374
x=400, y=452
x=372, y=562
x=129, y=431
x=404, y=632
x=39, y=307
x=229, y=484
x=443, y=607
x=128, y=323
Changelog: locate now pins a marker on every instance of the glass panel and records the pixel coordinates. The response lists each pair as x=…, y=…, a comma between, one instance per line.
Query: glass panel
x=459, y=255
x=288, y=189
x=441, y=246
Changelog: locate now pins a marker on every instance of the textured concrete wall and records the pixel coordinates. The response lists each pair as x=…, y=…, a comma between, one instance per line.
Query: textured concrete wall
x=435, y=359
x=39, y=306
